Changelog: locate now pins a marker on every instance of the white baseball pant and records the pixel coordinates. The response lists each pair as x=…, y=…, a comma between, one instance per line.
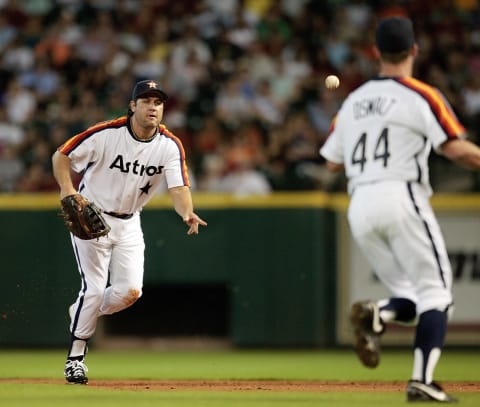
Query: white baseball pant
x=396, y=229
x=111, y=270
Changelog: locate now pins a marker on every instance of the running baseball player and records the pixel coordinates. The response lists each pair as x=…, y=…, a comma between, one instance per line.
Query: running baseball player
x=382, y=137
x=123, y=162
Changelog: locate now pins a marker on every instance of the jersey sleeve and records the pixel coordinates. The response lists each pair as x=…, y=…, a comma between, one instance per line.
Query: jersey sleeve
x=449, y=123
x=176, y=171
x=332, y=149
x=82, y=150
x=441, y=123
x=85, y=147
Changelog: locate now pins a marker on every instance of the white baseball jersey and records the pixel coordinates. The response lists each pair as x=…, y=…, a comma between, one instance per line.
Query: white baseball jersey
x=385, y=130
x=121, y=172
x=383, y=134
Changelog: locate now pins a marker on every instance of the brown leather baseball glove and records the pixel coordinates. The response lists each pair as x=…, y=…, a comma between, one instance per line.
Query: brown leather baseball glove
x=83, y=218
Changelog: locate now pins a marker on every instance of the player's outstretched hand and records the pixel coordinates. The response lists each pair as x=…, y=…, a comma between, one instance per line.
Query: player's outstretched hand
x=193, y=221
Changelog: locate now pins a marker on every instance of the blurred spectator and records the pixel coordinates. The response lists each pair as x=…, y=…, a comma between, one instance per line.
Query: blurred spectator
x=274, y=25
x=211, y=173
x=20, y=103
x=471, y=96
x=37, y=7
x=321, y=109
x=158, y=44
x=8, y=32
x=268, y=109
x=243, y=179
x=42, y=80
x=184, y=79
x=240, y=33
x=188, y=46
x=260, y=64
x=232, y=105
x=225, y=10
x=93, y=46
x=286, y=81
x=11, y=133
x=239, y=176
x=14, y=13
x=11, y=169
x=471, y=104
x=144, y=67
x=18, y=56
x=59, y=40
x=36, y=179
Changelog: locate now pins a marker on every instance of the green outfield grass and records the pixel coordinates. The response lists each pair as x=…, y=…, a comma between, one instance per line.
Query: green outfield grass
x=201, y=365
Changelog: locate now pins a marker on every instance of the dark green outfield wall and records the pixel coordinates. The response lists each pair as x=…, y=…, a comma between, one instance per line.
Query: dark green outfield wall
x=277, y=263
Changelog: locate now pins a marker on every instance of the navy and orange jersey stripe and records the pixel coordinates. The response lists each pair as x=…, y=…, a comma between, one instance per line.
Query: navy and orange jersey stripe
x=440, y=108
x=72, y=143
x=179, y=144
x=332, y=125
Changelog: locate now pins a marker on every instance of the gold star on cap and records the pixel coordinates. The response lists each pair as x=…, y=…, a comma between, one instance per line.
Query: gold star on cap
x=152, y=84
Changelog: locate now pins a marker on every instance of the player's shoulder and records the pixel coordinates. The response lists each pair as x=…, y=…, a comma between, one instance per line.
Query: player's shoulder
x=431, y=95
x=169, y=135
x=416, y=85
x=91, y=133
x=104, y=126
x=163, y=130
x=408, y=88
x=407, y=82
x=109, y=124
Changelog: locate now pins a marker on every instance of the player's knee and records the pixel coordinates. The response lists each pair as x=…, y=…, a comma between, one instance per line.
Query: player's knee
x=131, y=296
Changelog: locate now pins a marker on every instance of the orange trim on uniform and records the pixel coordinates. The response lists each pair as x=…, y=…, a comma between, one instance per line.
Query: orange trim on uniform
x=332, y=125
x=70, y=145
x=178, y=142
x=442, y=111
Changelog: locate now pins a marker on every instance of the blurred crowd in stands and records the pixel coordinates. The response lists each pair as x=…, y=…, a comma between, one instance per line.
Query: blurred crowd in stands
x=245, y=80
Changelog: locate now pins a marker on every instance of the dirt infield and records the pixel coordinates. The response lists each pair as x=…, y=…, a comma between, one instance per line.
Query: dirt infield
x=275, y=385
x=254, y=385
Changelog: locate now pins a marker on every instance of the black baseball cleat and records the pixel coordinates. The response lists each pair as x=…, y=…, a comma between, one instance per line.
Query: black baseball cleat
x=368, y=327
x=76, y=372
x=418, y=391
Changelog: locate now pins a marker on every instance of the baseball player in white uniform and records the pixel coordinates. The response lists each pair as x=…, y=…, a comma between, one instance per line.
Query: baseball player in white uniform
x=382, y=137
x=122, y=162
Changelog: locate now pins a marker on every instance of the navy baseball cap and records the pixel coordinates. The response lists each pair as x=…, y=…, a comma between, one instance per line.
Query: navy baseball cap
x=148, y=88
x=394, y=34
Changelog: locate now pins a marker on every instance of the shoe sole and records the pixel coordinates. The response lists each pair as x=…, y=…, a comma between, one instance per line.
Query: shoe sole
x=423, y=399
x=419, y=392
x=366, y=343
x=84, y=382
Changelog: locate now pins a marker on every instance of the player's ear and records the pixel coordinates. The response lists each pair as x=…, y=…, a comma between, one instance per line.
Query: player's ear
x=376, y=52
x=414, y=50
x=132, y=105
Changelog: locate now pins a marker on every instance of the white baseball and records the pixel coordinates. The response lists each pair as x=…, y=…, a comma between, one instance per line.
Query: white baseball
x=332, y=82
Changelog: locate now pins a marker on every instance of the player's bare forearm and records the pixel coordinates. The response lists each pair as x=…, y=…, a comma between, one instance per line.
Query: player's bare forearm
x=182, y=202
x=463, y=152
x=61, y=172
x=334, y=167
